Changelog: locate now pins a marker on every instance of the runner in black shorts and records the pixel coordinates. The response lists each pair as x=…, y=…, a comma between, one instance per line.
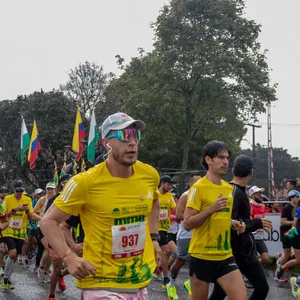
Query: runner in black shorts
x=208, y=213
x=294, y=197
x=286, y=222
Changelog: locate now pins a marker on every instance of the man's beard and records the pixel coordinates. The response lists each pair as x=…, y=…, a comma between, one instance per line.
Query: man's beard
x=123, y=162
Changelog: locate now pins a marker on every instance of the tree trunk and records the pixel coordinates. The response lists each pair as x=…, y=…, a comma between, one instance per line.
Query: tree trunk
x=186, y=150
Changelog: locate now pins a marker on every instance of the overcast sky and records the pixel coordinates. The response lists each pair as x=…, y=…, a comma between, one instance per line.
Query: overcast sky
x=40, y=41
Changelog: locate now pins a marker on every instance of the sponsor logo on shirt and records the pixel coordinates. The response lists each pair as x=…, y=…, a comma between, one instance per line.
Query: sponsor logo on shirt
x=129, y=220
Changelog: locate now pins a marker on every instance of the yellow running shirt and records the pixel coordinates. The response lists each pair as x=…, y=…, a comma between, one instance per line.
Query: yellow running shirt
x=114, y=214
x=17, y=222
x=166, y=202
x=211, y=241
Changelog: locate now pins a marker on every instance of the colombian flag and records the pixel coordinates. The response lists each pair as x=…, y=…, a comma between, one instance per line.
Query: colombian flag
x=34, y=146
x=78, y=136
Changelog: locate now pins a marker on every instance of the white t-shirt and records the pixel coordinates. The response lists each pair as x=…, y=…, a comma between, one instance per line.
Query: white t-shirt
x=182, y=233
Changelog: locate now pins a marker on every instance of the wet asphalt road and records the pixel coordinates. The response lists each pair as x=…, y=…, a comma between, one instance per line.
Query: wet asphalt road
x=29, y=287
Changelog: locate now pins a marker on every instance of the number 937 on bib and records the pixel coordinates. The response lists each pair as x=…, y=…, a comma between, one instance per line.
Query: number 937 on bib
x=128, y=240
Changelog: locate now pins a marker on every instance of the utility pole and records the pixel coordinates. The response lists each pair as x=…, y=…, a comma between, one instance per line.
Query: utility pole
x=271, y=187
x=253, y=145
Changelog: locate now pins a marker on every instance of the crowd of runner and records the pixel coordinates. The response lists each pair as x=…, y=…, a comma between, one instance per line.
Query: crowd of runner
x=119, y=225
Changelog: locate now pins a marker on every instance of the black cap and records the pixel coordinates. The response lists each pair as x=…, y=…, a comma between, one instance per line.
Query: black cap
x=19, y=186
x=243, y=166
x=166, y=178
x=65, y=178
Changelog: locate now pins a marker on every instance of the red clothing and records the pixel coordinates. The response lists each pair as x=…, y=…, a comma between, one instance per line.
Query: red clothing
x=258, y=212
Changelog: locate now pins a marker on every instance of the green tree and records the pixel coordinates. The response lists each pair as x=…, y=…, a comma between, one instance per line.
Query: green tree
x=86, y=85
x=55, y=116
x=205, y=77
x=285, y=166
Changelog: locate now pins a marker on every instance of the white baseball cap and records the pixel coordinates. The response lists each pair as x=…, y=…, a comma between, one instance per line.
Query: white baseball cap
x=255, y=189
x=38, y=191
x=118, y=121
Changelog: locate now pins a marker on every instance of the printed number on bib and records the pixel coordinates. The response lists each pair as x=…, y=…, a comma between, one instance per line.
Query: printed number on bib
x=163, y=214
x=128, y=240
x=15, y=224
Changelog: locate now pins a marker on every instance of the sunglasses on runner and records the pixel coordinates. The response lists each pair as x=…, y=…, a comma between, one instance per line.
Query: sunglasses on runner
x=124, y=135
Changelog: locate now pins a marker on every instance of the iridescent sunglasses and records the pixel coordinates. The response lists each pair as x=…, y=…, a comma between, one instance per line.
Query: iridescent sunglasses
x=124, y=135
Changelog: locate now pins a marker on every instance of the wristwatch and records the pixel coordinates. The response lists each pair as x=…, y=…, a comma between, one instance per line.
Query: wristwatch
x=155, y=237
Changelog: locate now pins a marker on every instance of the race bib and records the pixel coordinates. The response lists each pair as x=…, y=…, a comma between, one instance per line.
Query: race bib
x=163, y=214
x=128, y=240
x=15, y=224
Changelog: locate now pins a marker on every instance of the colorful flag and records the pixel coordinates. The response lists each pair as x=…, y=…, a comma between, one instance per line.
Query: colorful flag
x=74, y=167
x=77, y=145
x=62, y=173
x=93, y=139
x=83, y=166
x=55, y=179
x=25, y=142
x=34, y=146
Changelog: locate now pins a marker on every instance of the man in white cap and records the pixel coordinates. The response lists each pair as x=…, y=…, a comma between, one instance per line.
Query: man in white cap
x=258, y=212
x=118, y=205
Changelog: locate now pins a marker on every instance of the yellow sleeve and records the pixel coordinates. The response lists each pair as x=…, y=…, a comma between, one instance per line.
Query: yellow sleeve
x=5, y=204
x=156, y=192
x=27, y=200
x=30, y=205
x=73, y=196
x=173, y=204
x=194, y=199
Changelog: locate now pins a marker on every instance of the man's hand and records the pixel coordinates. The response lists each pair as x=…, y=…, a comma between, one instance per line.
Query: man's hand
x=240, y=227
x=79, y=267
x=267, y=224
x=78, y=249
x=157, y=252
x=18, y=208
x=219, y=204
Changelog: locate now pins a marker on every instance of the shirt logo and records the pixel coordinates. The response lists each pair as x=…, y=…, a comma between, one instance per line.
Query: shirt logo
x=149, y=195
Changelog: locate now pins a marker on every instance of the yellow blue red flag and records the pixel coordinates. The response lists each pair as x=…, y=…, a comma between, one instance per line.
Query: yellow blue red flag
x=34, y=147
x=78, y=136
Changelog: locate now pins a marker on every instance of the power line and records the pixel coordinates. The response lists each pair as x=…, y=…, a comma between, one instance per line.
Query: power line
x=280, y=124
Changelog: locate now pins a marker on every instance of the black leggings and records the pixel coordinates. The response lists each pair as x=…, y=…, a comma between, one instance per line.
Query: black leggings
x=41, y=249
x=254, y=271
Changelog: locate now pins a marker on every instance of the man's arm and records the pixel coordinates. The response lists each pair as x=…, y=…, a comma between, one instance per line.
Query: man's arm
x=285, y=221
x=3, y=224
x=153, y=218
x=51, y=230
x=193, y=218
x=66, y=230
x=39, y=205
x=181, y=207
x=33, y=216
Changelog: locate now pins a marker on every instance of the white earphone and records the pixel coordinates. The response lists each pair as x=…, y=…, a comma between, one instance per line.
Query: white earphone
x=110, y=148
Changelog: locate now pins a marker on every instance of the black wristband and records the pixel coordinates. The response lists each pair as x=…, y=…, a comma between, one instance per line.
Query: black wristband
x=155, y=237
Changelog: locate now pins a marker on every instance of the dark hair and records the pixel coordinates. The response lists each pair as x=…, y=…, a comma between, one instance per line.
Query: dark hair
x=242, y=166
x=292, y=182
x=213, y=149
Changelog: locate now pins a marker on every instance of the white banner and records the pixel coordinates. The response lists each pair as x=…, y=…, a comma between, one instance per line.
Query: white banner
x=272, y=239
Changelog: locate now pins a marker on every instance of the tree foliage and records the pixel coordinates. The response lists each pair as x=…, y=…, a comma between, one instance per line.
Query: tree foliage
x=205, y=77
x=55, y=117
x=86, y=86
x=285, y=166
